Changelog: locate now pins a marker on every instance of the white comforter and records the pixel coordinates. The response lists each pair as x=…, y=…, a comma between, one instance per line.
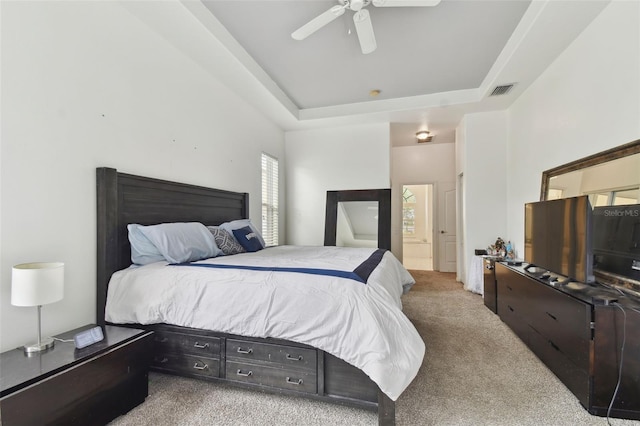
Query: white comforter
x=362, y=324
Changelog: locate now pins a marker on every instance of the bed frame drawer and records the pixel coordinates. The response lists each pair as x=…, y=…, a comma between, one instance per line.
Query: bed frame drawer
x=272, y=376
x=167, y=342
x=284, y=356
x=190, y=364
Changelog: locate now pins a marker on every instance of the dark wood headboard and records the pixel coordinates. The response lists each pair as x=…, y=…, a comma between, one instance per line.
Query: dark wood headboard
x=124, y=199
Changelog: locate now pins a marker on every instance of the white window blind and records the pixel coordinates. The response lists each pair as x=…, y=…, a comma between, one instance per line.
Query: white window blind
x=270, y=199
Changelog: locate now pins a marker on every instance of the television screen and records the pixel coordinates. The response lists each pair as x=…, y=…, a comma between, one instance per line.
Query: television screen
x=557, y=237
x=616, y=239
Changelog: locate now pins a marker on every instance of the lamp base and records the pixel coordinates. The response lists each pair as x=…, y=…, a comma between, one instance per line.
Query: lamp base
x=45, y=343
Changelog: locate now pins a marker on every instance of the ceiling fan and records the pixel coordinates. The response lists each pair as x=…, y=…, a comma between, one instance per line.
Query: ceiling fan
x=361, y=19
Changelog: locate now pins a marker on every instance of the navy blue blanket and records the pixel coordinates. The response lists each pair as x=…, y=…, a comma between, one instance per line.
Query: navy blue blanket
x=360, y=273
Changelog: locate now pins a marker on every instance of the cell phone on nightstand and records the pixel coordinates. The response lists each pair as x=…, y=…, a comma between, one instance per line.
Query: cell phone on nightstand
x=88, y=337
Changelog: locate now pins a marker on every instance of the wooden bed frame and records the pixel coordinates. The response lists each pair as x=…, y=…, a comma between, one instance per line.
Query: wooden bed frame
x=261, y=364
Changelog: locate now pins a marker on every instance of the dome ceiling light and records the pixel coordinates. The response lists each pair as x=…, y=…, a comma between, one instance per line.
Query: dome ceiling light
x=424, y=136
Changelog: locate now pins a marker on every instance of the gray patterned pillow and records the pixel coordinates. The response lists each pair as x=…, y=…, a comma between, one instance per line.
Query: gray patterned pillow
x=225, y=241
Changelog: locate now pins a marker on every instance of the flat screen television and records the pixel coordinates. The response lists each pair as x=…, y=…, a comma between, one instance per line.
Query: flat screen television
x=616, y=240
x=557, y=237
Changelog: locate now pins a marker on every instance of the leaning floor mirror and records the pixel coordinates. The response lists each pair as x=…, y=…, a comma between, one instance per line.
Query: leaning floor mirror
x=358, y=218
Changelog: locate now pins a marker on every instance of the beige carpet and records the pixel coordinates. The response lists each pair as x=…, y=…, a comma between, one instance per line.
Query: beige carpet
x=475, y=372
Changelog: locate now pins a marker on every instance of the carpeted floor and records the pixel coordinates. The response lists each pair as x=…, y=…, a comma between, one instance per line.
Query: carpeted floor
x=475, y=372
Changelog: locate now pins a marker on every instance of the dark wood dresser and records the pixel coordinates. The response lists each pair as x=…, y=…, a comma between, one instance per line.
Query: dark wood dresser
x=578, y=331
x=65, y=385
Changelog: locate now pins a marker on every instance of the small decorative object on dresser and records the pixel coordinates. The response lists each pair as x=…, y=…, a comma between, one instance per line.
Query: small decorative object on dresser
x=70, y=386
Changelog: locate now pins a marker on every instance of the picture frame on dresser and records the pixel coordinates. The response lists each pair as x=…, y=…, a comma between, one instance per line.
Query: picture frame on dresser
x=218, y=357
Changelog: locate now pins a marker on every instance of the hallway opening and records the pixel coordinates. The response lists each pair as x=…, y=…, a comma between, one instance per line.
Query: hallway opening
x=417, y=227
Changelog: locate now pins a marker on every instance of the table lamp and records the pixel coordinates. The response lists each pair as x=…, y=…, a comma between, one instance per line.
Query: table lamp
x=37, y=284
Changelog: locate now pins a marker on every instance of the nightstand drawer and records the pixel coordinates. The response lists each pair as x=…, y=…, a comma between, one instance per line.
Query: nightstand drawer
x=188, y=344
x=264, y=375
x=284, y=356
x=192, y=364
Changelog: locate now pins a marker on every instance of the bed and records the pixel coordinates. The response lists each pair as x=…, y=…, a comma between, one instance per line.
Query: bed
x=274, y=364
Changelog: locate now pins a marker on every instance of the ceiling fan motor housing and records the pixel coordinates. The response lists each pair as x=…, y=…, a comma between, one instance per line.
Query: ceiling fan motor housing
x=355, y=5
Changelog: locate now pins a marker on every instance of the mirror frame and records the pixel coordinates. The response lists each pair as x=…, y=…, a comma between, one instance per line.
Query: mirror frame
x=382, y=196
x=630, y=148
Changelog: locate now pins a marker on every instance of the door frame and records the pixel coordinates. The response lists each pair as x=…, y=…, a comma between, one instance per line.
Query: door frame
x=433, y=211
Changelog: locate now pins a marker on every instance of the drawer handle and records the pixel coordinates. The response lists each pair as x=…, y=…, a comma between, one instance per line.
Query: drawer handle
x=552, y=316
x=294, y=358
x=245, y=351
x=294, y=382
x=553, y=345
x=161, y=361
x=200, y=346
x=510, y=308
x=509, y=287
x=163, y=340
x=247, y=374
x=199, y=366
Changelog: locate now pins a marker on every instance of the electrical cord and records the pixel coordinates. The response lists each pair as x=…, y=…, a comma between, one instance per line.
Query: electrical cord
x=624, y=339
x=62, y=340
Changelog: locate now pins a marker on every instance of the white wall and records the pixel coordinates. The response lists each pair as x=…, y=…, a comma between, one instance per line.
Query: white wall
x=321, y=160
x=481, y=159
x=587, y=101
x=413, y=165
x=86, y=84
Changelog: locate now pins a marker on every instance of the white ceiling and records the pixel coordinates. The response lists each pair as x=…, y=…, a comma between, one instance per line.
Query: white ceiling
x=432, y=64
x=421, y=50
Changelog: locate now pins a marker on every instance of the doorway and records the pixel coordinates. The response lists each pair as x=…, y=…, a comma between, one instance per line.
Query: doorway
x=417, y=227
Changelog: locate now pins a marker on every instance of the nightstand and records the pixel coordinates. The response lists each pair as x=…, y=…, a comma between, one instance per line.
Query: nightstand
x=65, y=385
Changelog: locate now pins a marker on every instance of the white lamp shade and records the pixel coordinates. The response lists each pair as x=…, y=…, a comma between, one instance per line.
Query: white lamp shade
x=34, y=284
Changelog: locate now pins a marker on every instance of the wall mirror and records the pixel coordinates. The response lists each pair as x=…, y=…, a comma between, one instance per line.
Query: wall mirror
x=610, y=177
x=358, y=218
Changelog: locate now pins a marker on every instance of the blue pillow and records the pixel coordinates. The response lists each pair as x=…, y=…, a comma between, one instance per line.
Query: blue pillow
x=241, y=223
x=182, y=241
x=142, y=250
x=248, y=239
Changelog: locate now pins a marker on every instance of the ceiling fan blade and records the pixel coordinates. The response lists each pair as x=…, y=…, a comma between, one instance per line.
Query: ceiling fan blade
x=364, y=29
x=318, y=22
x=394, y=3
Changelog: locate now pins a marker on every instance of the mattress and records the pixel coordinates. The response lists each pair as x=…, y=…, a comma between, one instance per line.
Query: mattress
x=262, y=294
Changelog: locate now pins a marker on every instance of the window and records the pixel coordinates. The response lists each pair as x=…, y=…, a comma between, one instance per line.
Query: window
x=408, y=212
x=622, y=197
x=270, y=200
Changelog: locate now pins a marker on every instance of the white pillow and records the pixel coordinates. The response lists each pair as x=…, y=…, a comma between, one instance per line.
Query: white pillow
x=182, y=241
x=241, y=223
x=142, y=250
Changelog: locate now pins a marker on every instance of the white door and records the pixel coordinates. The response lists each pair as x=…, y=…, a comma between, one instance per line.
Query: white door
x=447, y=226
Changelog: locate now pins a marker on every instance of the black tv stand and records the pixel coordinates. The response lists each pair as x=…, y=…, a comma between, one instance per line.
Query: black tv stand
x=577, y=330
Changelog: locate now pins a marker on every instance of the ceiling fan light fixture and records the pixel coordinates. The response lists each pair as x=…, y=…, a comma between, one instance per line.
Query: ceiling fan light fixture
x=423, y=136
